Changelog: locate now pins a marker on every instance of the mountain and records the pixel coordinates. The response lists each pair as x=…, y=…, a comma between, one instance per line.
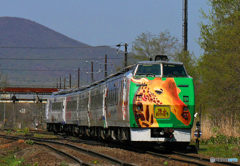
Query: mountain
x=25, y=39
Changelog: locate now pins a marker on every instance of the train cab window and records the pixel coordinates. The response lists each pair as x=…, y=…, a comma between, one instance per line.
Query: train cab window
x=149, y=70
x=172, y=70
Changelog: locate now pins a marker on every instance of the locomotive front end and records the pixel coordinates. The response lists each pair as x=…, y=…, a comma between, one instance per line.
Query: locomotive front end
x=161, y=102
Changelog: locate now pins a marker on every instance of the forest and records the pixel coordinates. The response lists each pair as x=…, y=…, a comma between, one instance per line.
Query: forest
x=216, y=72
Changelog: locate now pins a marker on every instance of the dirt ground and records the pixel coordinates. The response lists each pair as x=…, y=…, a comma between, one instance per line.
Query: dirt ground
x=32, y=154
x=42, y=156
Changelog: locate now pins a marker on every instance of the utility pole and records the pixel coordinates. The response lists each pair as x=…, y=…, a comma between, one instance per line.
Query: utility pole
x=185, y=24
x=125, y=54
x=4, y=118
x=60, y=82
x=14, y=116
x=92, y=71
x=105, y=65
x=57, y=83
x=70, y=83
x=64, y=82
x=78, y=76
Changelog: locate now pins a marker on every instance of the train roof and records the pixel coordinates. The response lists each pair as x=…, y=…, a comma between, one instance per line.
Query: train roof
x=66, y=91
x=123, y=71
x=158, y=62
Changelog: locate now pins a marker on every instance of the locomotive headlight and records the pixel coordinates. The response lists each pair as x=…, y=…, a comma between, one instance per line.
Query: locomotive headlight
x=185, y=109
x=138, y=107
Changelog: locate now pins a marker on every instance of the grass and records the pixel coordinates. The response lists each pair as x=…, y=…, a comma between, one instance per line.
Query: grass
x=26, y=131
x=64, y=163
x=219, y=140
x=220, y=146
x=220, y=151
x=10, y=159
x=44, y=136
x=209, y=129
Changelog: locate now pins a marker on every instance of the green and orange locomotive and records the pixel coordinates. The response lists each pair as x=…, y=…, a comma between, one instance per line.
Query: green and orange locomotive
x=152, y=103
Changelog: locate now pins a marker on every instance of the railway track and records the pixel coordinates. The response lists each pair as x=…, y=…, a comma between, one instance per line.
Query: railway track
x=188, y=158
x=173, y=155
x=74, y=152
x=203, y=158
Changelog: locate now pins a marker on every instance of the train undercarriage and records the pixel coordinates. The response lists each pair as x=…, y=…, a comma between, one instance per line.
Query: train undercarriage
x=120, y=134
x=112, y=133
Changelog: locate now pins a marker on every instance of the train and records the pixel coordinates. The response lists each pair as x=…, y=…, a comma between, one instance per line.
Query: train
x=150, y=102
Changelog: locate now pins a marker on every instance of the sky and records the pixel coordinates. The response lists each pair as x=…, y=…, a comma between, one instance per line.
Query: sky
x=110, y=22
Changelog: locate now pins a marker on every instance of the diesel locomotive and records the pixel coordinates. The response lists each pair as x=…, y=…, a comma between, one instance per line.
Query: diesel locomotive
x=151, y=103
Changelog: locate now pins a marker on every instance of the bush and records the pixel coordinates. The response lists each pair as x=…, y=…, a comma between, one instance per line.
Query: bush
x=29, y=142
x=215, y=129
x=26, y=130
x=19, y=131
x=64, y=164
x=220, y=139
x=35, y=164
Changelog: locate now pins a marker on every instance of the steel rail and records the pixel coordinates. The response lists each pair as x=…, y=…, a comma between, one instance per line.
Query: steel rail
x=93, y=153
x=90, y=152
x=204, y=159
x=64, y=153
x=176, y=159
x=82, y=163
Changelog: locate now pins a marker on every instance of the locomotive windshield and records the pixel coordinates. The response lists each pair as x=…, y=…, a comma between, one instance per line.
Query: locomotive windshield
x=148, y=70
x=172, y=70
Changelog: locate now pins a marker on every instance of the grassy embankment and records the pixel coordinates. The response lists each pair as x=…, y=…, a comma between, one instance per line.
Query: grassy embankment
x=222, y=141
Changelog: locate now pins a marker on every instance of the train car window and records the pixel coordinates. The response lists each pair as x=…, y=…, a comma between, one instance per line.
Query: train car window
x=149, y=70
x=113, y=96
x=72, y=105
x=172, y=70
x=85, y=102
x=116, y=92
x=57, y=106
x=92, y=100
x=111, y=99
x=100, y=98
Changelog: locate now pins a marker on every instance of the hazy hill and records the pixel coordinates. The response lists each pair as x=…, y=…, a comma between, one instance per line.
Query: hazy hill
x=19, y=32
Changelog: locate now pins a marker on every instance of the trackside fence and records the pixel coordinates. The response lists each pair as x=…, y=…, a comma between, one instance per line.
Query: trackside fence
x=22, y=115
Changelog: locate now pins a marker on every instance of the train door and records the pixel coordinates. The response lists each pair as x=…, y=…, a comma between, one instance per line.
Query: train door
x=64, y=110
x=88, y=107
x=104, y=87
x=124, y=97
x=48, y=110
x=78, y=108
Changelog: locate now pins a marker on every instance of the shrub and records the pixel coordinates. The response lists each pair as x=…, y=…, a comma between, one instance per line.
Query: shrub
x=35, y=164
x=64, y=163
x=29, y=142
x=26, y=130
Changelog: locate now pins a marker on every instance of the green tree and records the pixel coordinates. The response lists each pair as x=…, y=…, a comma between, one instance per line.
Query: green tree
x=3, y=80
x=219, y=65
x=190, y=63
x=147, y=46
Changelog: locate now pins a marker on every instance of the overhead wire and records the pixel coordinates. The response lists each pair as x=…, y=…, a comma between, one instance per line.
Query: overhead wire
x=59, y=47
x=5, y=47
x=77, y=47
x=53, y=59
x=39, y=70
